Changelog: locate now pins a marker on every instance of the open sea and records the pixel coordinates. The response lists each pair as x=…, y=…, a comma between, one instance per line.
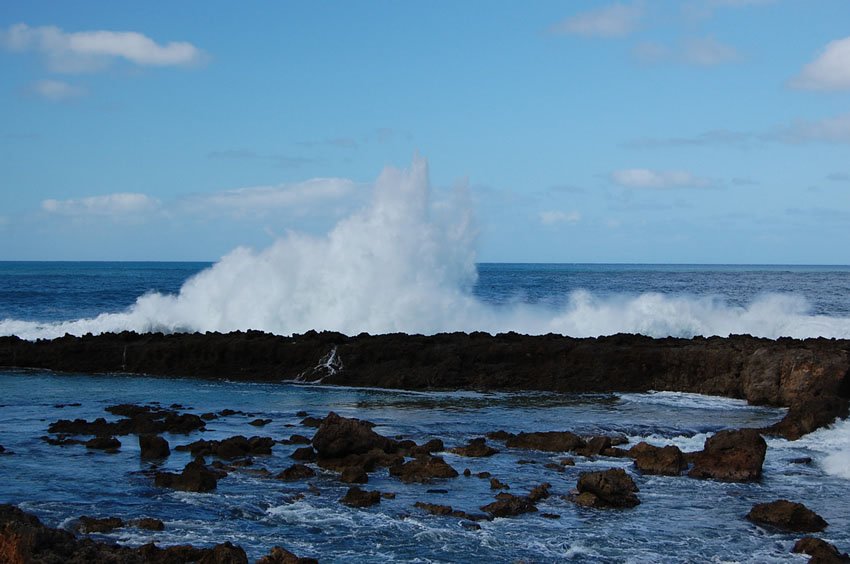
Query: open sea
x=679, y=519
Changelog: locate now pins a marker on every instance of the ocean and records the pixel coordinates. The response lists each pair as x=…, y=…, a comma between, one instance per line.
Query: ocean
x=679, y=519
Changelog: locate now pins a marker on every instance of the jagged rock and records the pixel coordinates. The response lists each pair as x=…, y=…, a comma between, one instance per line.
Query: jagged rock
x=195, y=477
x=231, y=448
x=148, y=523
x=821, y=552
x=306, y=454
x=607, y=488
x=539, y=492
x=423, y=470
x=595, y=446
x=495, y=484
x=355, y=497
x=787, y=515
x=665, y=461
x=731, y=456
x=296, y=472
x=547, y=441
x=104, y=443
x=24, y=540
x=139, y=420
x=338, y=437
x=354, y=475
x=87, y=524
x=153, y=447
x=507, y=505
x=280, y=555
x=476, y=448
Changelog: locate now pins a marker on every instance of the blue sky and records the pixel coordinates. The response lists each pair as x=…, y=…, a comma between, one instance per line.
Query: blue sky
x=712, y=131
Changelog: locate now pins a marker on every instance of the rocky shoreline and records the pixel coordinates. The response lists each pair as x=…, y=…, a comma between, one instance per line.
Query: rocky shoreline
x=811, y=377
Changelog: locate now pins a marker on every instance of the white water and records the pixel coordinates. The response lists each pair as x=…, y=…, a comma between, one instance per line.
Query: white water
x=407, y=264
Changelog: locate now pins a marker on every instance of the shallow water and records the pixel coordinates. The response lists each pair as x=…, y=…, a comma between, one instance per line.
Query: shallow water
x=679, y=519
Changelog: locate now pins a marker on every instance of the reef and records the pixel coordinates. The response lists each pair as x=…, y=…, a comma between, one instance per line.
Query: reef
x=810, y=377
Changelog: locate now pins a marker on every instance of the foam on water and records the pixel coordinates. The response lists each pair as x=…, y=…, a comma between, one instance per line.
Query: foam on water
x=831, y=446
x=405, y=263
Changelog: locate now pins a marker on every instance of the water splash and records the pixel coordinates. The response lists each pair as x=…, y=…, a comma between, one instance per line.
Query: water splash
x=405, y=263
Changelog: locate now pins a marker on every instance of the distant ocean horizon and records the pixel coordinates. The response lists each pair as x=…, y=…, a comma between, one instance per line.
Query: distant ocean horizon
x=50, y=298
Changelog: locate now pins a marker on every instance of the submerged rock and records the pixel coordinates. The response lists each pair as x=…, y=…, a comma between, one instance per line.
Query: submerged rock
x=547, y=441
x=104, y=443
x=788, y=516
x=731, y=456
x=153, y=447
x=476, y=448
x=296, y=472
x=821, y=552
x=423, y=470
x=607, y=488
x=195, y=477
x=665, y=461
x=355, y=497
x=280, y=555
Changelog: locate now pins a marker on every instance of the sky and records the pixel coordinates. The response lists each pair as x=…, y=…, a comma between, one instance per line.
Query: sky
x=695, y=131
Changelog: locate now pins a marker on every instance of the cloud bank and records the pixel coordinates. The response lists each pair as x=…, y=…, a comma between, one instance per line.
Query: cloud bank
x=657, y=179
x=829, y=71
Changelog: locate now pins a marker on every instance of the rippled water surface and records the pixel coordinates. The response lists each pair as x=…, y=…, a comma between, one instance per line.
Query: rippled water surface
x=679, y=519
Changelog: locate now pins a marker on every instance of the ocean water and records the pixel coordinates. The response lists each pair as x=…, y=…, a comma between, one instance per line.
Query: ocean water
x=408, y=263
x=679, y=519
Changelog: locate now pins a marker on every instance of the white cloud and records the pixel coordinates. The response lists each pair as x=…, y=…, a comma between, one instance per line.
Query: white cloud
x=87, y=51
x=658, y=180
x=829, y=71
x=552, y=217
x=56, y=90
x=261, y=200
x=616, y=20
x=121, y=204
x=827, y=130
x=700, y=51
x=708, y=51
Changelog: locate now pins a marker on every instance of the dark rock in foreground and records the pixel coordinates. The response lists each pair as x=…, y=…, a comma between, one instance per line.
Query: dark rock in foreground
x=821, y=552
x=24, y=540
x=731, y=456
x=608, y=488
x=811, y=377
x=95, y=525
x=280, y=555
x=153, y=447
x=195, y=477
x=788, y=516
x=665, y=461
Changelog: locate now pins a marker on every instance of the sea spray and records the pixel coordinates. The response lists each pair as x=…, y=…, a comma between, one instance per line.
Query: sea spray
x=405, y=263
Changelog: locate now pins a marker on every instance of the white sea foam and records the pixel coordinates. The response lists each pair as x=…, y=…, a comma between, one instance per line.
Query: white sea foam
x=407, y=264
x=831, y=446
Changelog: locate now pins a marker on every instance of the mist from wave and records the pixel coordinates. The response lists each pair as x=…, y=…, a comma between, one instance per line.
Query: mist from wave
x=406, y=263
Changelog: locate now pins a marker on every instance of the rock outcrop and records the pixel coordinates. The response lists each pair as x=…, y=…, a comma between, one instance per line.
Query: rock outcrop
x=788, y=516
x=731, y=456
x=811, y=377
x=607, y=488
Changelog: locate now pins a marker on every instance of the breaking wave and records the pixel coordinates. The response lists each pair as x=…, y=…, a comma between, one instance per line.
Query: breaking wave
x=407, y=264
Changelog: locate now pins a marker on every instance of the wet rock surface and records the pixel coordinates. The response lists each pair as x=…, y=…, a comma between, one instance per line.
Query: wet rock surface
x=280, y=555
x=356, y=497
x=788, y=516
x=547, y=441
x=607, y=488
x=809, y=376
x=731, y=456
x=821, y=552
x=476, y=448
x=423, y=470
x=195, y=477
x=153, y=447
x=664, y=461
x=231, y=448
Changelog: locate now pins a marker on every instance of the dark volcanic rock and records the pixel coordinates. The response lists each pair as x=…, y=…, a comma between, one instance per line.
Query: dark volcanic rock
x=495, y=484
x=666, y=461
x=821, y=552
x=354, y=475
x=259, y=422
x=338, y=437
x=355, y=497
x=153, y=447
x=787, y=515
x=608, y=488
x=195, y=477
x=24, y=540
x=808, y=376
x=507, y=505
x=423, y=470
x=476, y=448
x=148, y=523
x=548, y=441
x=104, y=443
x=306, y=454
x=230, y=448
x=296, y=472
x=731, y=456
x=94, y=525
x=280, y=555
x=595, y=446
